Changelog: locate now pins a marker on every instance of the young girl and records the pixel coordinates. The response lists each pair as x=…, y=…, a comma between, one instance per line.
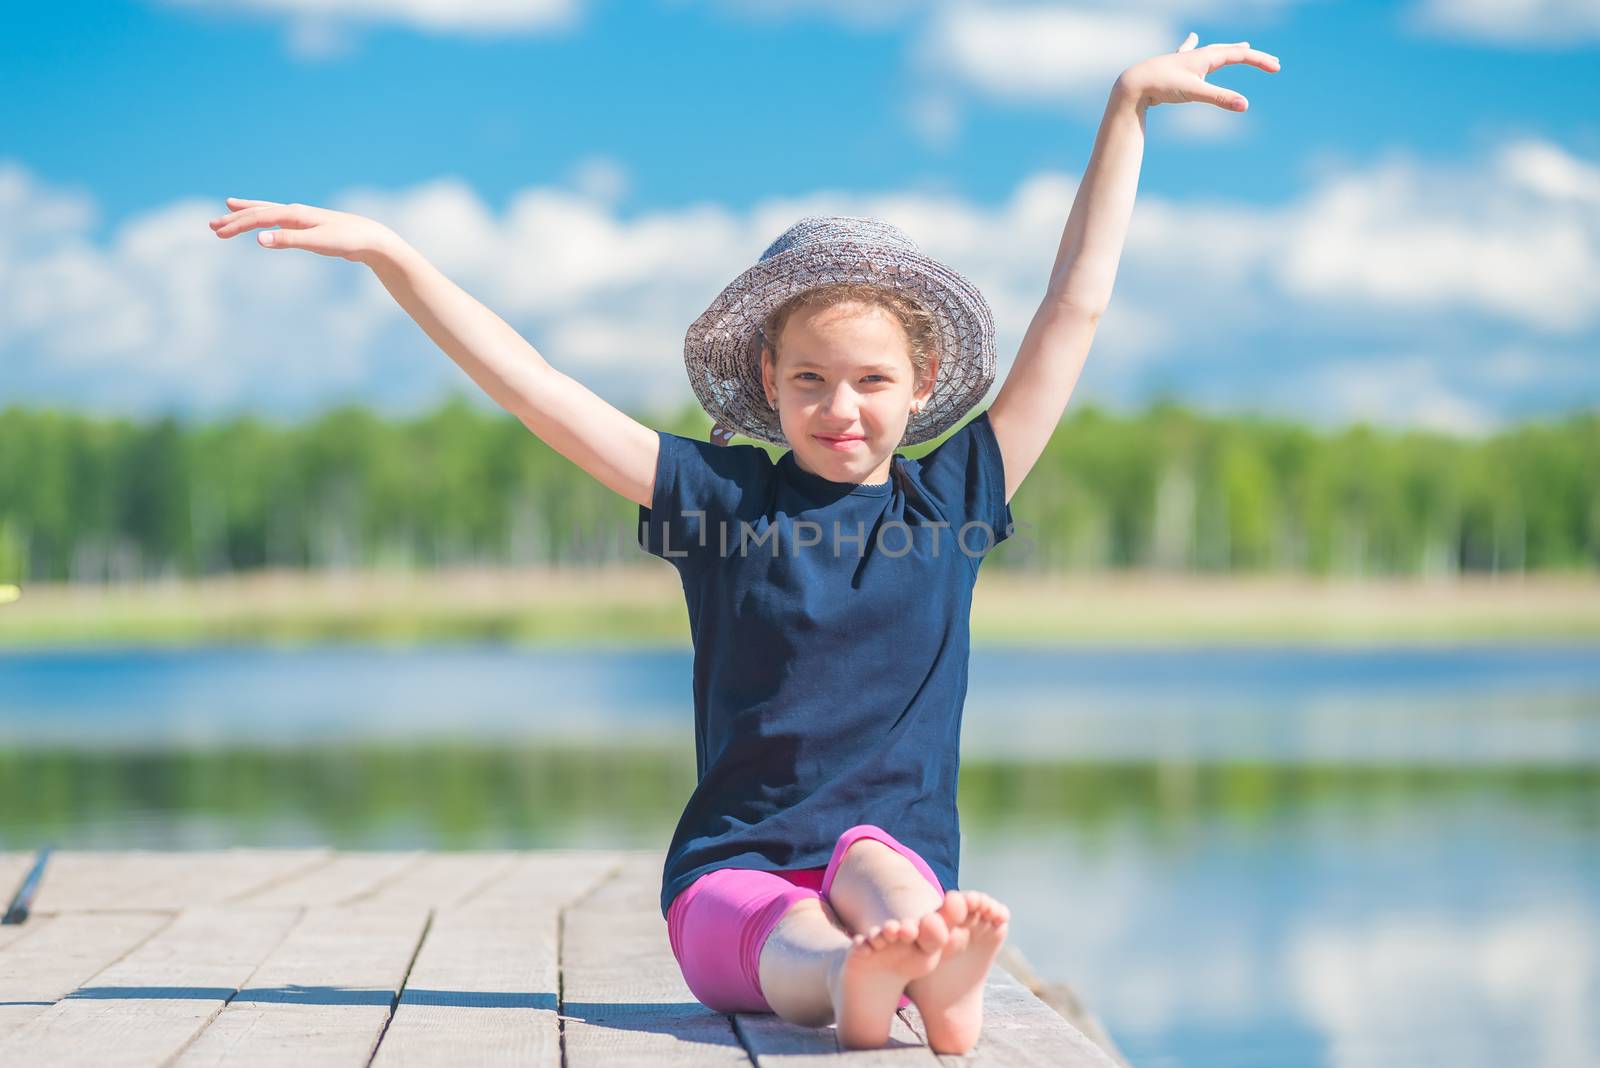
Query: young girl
x=813, y=871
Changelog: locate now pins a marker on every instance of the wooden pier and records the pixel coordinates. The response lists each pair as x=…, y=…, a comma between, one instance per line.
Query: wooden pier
x=321, y=957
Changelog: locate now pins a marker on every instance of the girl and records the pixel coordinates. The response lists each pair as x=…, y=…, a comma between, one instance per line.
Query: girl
x=813, y=870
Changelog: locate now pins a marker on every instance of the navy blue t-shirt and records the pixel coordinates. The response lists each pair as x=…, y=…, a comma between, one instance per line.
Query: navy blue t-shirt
x=830, y=624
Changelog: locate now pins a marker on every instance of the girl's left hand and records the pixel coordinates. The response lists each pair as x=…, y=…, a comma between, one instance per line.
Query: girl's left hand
x=1180, y=77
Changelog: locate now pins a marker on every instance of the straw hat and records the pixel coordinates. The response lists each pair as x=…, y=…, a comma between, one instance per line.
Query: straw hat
x=723, y=348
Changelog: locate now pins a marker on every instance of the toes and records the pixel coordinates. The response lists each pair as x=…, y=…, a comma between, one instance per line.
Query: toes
x=995, y=912
x=933, y=934
x=954, y=908
x=983, y=909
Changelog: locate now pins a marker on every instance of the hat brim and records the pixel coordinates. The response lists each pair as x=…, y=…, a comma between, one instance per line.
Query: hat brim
x=722, y=350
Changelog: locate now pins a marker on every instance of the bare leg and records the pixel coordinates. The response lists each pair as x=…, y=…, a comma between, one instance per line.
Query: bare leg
x=874, y=883
x=812, y=971
x=797, y=958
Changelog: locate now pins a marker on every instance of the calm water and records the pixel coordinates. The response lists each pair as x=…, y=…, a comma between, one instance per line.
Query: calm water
x=1237, y=857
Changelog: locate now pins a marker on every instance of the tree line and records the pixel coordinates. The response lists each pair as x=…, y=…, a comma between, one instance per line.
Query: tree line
x=94, y=499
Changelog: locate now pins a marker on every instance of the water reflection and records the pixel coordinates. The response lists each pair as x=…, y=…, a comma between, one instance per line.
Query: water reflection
x=1461, y=704
x=1237, y=857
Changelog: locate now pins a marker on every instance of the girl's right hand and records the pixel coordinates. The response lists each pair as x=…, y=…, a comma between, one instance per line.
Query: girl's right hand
x=1180, y=77
x=331, y=233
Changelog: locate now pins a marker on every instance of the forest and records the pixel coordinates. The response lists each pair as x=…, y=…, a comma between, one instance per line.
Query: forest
x=95, y=499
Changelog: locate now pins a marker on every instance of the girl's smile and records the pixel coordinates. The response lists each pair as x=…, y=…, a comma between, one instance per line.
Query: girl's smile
x=843, y=364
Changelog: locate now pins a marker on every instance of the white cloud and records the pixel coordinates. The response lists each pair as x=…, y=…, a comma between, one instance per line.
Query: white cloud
x=1038, y=53
x=1559, y=24
x=935, y=118
x=874, y=14
x=1455, y=292
x=600, y=178
x=322, y=29
x=1372, y=988
x=1062, y=55
x=1395, y=390
x=1519, y=240
x=442, y=16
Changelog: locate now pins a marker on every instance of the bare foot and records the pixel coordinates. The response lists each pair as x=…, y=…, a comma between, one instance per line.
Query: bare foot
x=950, y=998
x=868, y=978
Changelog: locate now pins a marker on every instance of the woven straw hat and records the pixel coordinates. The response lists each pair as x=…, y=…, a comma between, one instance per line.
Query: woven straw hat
x=723, y=348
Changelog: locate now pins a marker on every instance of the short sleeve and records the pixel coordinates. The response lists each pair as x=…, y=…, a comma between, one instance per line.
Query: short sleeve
x=700, y=491
x=966, y=476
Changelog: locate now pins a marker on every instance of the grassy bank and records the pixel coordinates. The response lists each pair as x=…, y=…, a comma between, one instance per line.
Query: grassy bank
x=644, y=605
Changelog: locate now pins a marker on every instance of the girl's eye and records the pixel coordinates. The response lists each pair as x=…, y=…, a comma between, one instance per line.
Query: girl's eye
x=803, y=374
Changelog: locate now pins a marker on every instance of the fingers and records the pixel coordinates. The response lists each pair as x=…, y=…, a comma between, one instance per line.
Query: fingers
x=1243, y=53
x=1238, y=52
x=288, y=215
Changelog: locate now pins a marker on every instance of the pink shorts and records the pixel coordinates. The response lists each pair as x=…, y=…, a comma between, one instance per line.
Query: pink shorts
x=719, y=923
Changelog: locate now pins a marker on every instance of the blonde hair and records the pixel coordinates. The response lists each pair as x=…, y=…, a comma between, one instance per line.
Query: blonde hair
x=918, y=323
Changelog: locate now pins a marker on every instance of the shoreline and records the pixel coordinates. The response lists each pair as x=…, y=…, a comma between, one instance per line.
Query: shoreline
x=643, y=605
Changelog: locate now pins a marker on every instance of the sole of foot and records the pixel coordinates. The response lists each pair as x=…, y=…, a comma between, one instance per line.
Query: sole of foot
x=950, y=998
x=870, y=976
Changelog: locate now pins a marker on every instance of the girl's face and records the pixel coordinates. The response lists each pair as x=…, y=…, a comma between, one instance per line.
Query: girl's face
x=843, y=386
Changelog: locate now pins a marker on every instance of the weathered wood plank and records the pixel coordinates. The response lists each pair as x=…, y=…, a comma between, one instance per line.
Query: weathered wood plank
x=776, y=1043
x=148, y=880
x=10, y=932
x=1061, y=998
x=511, y=956
x=483, y=990
x=624, y=999
x=1020, y=1030
x=342, y=880
x=534, y=874
x=14, y=868
x=142, y=1009
x=84, y=880
x=485, y=985
x=322, y=996
x=440, y=880
x=58, y=955
x=216, y=877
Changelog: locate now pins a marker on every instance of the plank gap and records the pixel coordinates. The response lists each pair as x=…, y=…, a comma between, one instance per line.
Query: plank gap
x=287, y=931
x=282, y=877
x=561, y=957
x=427, y=925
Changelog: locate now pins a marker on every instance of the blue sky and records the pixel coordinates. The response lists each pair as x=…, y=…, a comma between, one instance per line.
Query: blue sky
x=1404, y=227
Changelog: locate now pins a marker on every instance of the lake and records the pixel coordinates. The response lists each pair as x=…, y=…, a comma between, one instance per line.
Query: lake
x=1236, y=856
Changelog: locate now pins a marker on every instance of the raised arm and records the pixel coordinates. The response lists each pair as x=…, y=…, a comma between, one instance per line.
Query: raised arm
x=1029, y=406
x=616, y=449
